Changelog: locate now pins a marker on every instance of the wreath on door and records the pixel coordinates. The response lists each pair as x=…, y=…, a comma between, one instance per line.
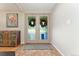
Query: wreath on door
x=43, y=23
x=32, y=22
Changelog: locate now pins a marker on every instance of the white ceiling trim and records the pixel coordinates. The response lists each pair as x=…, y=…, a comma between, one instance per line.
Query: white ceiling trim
x=20, y=8
x=27, y=7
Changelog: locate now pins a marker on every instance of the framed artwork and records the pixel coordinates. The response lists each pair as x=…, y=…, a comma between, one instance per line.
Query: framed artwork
x=12, y=20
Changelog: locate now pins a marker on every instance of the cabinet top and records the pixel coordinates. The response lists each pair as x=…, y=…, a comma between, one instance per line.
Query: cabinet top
x=9, y=30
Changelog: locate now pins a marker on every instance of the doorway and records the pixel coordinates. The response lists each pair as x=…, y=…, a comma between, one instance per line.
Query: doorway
x=37, y=28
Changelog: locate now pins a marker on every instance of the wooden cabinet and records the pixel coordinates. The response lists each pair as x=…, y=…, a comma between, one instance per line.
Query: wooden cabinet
x=1, y=38
x=9, y=38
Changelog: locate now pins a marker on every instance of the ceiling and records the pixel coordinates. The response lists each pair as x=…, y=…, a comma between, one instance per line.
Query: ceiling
x=27, y=7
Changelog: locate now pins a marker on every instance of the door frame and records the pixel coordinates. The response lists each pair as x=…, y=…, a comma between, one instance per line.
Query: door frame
x=37, y=15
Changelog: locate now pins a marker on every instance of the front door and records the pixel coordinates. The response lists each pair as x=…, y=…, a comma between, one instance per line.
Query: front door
x=37, y=29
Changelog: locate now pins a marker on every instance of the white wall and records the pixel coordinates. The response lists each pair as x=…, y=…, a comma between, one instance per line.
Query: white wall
x=20, y=23
x=65, y=29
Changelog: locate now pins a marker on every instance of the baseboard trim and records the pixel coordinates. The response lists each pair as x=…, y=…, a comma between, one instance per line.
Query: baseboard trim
x=58, y=50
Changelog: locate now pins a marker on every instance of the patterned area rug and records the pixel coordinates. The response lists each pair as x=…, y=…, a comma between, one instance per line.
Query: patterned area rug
x=36, y=47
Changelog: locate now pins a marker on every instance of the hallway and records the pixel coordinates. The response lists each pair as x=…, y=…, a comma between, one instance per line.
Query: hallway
x=39, y=29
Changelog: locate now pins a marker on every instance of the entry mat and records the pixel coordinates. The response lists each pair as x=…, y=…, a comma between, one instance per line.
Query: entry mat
x=36, y=47
x=7, y=53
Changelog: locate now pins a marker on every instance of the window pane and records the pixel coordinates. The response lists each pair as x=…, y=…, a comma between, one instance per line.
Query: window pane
x=43, y=28
x=31, y=27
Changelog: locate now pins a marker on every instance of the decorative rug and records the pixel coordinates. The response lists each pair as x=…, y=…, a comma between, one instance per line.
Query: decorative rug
x=36, y=47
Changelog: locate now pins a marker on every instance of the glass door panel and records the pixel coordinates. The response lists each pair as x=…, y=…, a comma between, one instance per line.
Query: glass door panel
x=43, y=28
x=31, y=27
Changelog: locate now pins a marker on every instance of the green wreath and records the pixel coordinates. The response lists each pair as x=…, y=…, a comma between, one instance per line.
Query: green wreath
x=43, y=23
x=32, y=24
